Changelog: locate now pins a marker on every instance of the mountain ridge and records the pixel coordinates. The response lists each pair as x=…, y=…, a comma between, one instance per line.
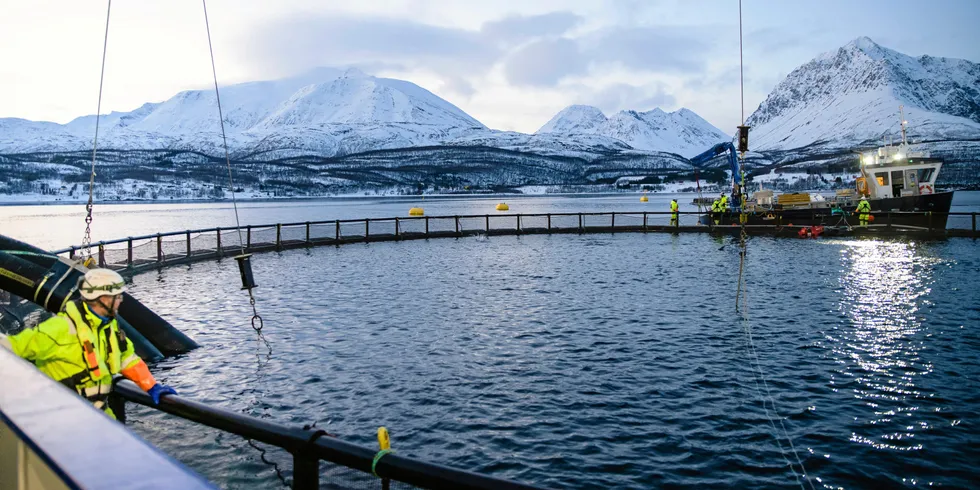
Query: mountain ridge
x=851, y=96
x=683, y=131
x=325, y=112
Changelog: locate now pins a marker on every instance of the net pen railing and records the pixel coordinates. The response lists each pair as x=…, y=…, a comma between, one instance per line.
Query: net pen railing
x=308, y=447
x=151, y=251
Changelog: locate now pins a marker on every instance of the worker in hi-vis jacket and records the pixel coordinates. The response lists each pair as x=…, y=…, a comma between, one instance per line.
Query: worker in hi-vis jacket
x=82, y=347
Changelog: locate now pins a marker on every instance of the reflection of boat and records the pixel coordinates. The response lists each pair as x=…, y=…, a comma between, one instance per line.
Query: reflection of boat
x=895, y=179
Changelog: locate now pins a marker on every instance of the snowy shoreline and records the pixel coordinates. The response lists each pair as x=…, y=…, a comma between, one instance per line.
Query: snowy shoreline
x=524, y=191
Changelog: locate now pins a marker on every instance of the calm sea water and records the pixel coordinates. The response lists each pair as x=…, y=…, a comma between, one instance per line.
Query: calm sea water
x=609, y=361
x=589, y=361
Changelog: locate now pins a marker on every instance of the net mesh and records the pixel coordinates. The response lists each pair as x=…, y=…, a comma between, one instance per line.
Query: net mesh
x=473, y=224
x=174, y=247
x=323, y=231
x=264, y=237
x=629, y=220
x=114, y=256
x=204, y=243
x=145, y=251
x=411, y=225
x=534, y=222
x=664, y=219
x=960, y=222
x=352, y=230
x=442, y=224
x=596, y=221
x=503, y=222
x=383, y=227
x=294, y=233
x=564, y=222
x=230, y=243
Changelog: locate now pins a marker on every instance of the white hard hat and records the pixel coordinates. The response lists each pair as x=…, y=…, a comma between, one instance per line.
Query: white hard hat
x=101, y=282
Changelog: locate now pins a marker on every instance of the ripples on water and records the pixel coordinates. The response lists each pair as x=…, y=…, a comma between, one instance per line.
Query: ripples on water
x=594, y=361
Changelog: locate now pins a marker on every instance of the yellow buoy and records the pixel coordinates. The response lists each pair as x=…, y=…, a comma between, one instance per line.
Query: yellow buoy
x=644, y=198
x=503, y=207
x=416, y=212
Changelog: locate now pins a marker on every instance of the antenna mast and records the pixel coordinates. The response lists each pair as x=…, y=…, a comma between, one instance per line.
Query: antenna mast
x=901, y=111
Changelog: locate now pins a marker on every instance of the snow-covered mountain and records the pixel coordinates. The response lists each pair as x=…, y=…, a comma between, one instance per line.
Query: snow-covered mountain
x=329, y=112
x=324, y=112
x=851, y=96
x=682, y=131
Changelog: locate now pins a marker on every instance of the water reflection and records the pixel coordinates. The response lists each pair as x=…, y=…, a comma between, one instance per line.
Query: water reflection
x=879, y=350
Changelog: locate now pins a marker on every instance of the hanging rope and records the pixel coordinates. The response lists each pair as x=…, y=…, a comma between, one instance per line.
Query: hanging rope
x=741, y=70
x=743, y=236
x=257, y=323
x=87, y=239
x=741, y=296
x=766, y=396
x=224, y=138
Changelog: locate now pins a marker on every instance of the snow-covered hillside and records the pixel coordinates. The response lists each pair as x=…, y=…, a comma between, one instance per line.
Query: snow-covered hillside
x=324, y=112
x=329, y=112
x=851, y=97
x=682, y=131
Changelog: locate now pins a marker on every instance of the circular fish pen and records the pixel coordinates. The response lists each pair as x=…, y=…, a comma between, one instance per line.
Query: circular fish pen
x=553, y=360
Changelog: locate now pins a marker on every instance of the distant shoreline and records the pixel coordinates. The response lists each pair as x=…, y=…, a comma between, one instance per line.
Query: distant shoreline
x=332, y=198
x=393, y=198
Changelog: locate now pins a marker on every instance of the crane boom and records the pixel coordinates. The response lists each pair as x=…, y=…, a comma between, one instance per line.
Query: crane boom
x=736, y=168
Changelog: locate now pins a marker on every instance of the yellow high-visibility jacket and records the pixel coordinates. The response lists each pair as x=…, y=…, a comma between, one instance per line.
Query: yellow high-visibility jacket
x=83, y=352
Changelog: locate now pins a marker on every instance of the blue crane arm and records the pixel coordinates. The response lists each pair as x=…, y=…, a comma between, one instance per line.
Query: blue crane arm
x=736, y=169
x=718, y=150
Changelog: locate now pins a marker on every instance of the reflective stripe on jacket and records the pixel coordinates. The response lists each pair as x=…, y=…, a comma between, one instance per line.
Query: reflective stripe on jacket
x=71, y=351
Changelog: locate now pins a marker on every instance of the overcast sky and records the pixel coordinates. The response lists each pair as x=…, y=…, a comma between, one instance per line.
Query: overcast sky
x=512, y=64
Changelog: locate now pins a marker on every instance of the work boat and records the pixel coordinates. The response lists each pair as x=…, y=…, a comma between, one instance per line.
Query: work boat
x=898, y=181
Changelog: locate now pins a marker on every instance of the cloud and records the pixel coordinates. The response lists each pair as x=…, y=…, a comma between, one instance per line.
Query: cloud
x=545, y=63
x=622, y=96
x=295, y=44
x=659, y=49
x=516, y=29
x=458, y=85
x=770, y=39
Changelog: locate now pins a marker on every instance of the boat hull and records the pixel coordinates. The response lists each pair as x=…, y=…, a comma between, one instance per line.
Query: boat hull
x=884, y=211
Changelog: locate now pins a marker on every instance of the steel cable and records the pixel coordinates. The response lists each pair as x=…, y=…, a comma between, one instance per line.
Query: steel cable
x=87, y=238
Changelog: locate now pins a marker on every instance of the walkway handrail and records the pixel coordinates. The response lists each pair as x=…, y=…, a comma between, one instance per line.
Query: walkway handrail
x=219, y=229
x=308, y=447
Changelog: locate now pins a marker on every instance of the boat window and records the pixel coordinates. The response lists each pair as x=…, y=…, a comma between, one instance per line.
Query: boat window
x=925, y=174
x=882, y=178
x=898, y=178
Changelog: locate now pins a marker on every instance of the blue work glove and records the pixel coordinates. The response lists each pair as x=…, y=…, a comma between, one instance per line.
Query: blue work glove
x=158, y=390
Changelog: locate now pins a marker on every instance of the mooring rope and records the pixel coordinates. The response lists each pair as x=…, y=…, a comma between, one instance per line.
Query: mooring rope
x=87, y=239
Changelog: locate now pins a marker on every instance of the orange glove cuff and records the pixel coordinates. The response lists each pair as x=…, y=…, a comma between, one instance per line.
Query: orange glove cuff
x=140, y=374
